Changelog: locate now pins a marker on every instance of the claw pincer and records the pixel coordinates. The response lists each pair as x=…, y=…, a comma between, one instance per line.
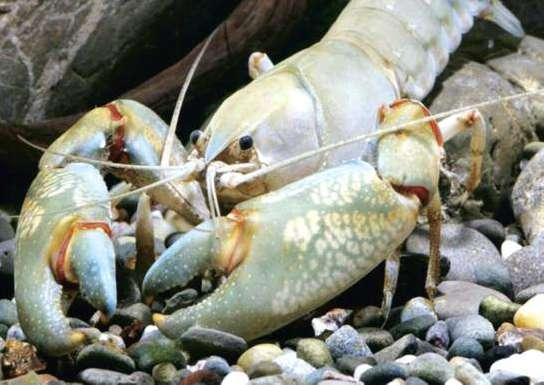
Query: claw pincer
x=63, y=240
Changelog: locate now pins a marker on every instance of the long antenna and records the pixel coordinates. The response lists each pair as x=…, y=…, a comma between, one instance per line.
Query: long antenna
x=169, y=141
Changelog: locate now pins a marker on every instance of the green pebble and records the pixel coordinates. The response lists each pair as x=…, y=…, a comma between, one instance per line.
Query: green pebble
x=314, y=351
x=497, y=311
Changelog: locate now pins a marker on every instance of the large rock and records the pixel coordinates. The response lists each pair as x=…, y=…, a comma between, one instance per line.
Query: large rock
x=528, y=197
x=526, y=266
x=58, y=55
x=472, y=256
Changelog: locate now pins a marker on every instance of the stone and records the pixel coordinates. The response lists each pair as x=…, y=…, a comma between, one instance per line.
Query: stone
x=468, y=374
x=470, y=254
x=417, y=307
x=462, y=298
x=103, y=356
x=258, y=353
x=235, y=378
x=293, y=367
x=417, y=326
x=138, y=312
x=466, y=347
x=314, y=351
x=330, y=321
x=432, y=368
x=497, y=311
x=7, y=253
x=528, y=364
x=438, y=335
x=405, y=345
x=376, y=338
x=347, y=364
x=264, y=368
x=8, y=312
x=154, y=349
x=383, y=373
x=531, y=314
x=360, y=370
x=491, y=228
x=496, y=353
x=526, y=266
x=165, y=373
x=15, y=332
x=328, y=375
x=369, y=316
x=532, y=342
x=415, y=381
x=217, y=364
x=201, y=342
x=528, y=198
x=526, y=294
x=108, y=377
x=180, y=300
x=346, y=340
x=273, y=380
x=509, y=247
x=473, y=326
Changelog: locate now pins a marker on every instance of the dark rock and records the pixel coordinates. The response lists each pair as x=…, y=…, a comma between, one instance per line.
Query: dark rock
x=417, y=326
x=347, y=364
x=156, y=349
x=375, y=338
x=381, y=374
x=473, y=326
x=523, y=380
x=496, y=353
x=466, y=347
x=202, y=342
x=526, y=294
x=369, y=316
x=347, y=341
x=137, y=312
x=6, y=230
x=7, y=253
x=491, y=228
x=218, y=365
x=403, y=346
x=469, y=252
x=172, y=238
x=462, y=298
x=438, y=335
x=432, y=368
x=180, y=300
x=104, y=357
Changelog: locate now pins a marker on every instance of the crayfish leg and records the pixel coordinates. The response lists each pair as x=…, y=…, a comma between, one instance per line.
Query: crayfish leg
x=434, y=217
x=392, y=266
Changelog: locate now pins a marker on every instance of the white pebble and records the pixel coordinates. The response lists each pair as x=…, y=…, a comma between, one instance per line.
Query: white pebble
x=359, y=370
x=453, y=381
x=406, y=359
x=396, y=381
x=528, y=364
x=509, y=247
x=235, y=378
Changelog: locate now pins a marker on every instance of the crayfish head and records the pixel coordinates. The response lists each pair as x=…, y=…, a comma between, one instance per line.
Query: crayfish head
x=410, y=158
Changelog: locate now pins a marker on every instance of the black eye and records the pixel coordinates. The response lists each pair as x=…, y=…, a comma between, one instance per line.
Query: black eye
x=246, y=142
x=194, y=136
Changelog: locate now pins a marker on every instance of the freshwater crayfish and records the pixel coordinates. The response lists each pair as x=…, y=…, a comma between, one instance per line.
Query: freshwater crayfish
x=330, y=208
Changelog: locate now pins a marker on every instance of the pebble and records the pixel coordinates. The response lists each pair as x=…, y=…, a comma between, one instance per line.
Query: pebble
x=258, y=353
x=360, y=370
x=103, y=356
x=453, y=381
x=432, y=368
x=165, y=373
x=347, y=340
x=526, y=294
x=7, y=254
x=137, y=312
x=381, y=374
x=497, y=311
x=401, y=347
x=417, y=307
x=438, y=335
x=293, y=367
x=531, y=314
x=326, y=375
x=369, y=316
x=496, y=353
x=6, y=230
x=469, y=252
x=525, y=266
x=154, y=349
x=531, y=342
x=474, y=326
x=462, y=298
x=466, y=347
x=15, y=332
x=375, y=338
x=216, y=364
x=529, y=363
x=417, y=326
x=108, y=377
x=468, y=374
x=315, y=352
x=491, y=228
x=201, y=342
x=508, y=248
x=406, y=359
x=330, y=321
x=264, y=368
x=415, y=381
x=8, y=312
x=235, y=378
x=347, y=364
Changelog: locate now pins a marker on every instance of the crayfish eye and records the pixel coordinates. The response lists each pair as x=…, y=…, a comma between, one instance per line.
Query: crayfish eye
x=245, y=142
x=195, y=135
